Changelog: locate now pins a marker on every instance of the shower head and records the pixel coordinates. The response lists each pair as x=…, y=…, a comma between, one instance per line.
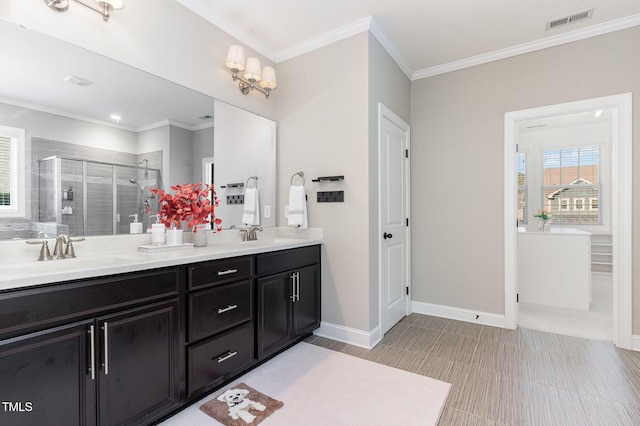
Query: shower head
x=134, y=181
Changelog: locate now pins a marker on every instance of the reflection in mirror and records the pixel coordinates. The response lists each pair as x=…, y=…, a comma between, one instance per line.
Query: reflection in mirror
x=63, y=97
x=245, y=166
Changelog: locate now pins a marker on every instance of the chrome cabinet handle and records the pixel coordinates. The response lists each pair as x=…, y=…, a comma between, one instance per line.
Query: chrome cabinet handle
x=297, y=286
x=229, y=354
x=106, y=348
x=92, y=353
x=227, y=272
x=227, y=309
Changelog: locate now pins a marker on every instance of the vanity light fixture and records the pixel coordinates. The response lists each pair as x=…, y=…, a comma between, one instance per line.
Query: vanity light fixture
x=266, y=78
x=104, y=6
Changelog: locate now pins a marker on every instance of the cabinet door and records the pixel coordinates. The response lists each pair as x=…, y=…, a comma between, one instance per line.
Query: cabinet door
x=139, y=358
x=45, y=378
x=274, y=313
x=306, y=308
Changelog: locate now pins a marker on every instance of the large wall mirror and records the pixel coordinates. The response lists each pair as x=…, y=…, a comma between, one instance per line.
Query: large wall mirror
x=99, y=134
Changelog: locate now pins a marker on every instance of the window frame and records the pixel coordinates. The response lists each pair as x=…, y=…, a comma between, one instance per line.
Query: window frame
x=17, y=189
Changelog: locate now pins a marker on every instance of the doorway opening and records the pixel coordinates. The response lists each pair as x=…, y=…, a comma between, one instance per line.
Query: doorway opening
x=620, y=200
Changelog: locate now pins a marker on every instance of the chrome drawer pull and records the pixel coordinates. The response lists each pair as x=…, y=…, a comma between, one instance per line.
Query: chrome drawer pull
x=227, y=272
x=226, y=356
x=227, y=309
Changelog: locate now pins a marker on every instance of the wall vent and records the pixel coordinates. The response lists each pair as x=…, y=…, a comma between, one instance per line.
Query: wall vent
x=580, y=16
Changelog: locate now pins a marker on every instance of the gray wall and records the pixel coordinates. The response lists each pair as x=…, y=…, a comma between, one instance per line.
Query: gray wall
x=322, y=130
x=457, y=161
x=391, y=87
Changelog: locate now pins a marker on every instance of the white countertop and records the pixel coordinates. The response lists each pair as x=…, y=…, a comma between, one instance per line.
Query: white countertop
x=108, y=255
x=554, y=231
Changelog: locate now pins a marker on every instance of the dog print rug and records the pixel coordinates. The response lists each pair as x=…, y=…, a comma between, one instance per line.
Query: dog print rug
x=241, y=405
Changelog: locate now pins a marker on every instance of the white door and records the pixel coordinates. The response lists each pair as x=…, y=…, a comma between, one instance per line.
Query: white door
x=394, y=220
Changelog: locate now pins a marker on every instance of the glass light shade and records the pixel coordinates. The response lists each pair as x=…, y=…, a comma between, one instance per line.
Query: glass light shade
x=252, y=71
x=235, y=58
x=111, y=4
x=268, y=78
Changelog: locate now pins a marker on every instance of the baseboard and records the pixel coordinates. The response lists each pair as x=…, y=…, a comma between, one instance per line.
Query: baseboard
x=460, y=314
x=635, y=342
x=349, y=335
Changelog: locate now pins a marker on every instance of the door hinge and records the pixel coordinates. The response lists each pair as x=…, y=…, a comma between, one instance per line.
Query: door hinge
x=407, y=221
x=517, y=148
x=406, y=153
x=517, y=297
x=407, y=290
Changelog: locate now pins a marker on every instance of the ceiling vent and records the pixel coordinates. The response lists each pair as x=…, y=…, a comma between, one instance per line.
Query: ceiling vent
x=580, y=16
x=78, y=81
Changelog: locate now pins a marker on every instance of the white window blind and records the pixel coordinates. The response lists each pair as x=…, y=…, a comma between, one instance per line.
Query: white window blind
x=572, y=185
x=522, y=188
x=5, y=171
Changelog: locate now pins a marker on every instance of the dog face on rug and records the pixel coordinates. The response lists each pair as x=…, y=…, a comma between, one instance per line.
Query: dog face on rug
x=239, y=405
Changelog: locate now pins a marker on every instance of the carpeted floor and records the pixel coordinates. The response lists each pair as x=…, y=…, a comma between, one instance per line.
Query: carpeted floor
x=319, y=386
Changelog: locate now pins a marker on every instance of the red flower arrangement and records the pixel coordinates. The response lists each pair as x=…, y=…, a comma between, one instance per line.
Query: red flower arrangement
x=190, y=203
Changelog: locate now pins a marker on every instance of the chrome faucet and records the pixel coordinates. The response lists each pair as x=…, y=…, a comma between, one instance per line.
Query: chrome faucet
x=251, y=235
x=57, y=250
x=58, y=253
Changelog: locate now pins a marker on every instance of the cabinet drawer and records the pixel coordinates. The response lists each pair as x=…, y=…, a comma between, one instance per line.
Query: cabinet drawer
x=33, y=309
x=219, y=308
x=219, y=271
x=214, y=360
x=279, y=261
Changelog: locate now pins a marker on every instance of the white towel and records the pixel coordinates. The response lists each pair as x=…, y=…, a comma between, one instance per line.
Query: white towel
x=297, y=207
x=251, y=210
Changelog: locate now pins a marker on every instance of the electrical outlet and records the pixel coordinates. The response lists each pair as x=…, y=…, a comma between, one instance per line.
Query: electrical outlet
x=330, y=196
x=267, y=212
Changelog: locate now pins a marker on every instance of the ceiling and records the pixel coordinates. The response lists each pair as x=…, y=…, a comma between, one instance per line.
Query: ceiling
x=425, y=37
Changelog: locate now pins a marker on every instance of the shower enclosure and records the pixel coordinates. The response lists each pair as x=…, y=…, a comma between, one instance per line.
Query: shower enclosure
x=95, y=198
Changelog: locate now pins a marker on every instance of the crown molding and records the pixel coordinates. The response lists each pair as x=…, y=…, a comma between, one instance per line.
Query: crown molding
x=388, y=45
x=200, y=9
x=581, y=34
x=325, y=39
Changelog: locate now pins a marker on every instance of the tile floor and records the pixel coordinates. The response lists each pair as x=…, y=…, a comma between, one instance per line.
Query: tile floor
x=512, y=377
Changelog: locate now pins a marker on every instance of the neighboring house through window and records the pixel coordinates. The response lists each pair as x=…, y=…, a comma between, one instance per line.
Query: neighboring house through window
x=572, y=185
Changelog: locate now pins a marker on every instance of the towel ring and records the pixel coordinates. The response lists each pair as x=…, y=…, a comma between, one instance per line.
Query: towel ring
x=255, y=182
x=301, y=174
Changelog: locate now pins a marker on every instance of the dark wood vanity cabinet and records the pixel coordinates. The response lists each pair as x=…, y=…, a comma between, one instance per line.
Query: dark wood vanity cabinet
x=131, y=349
x=44, y=376
x=220, y=325
x=288, y=297
x=116, y=359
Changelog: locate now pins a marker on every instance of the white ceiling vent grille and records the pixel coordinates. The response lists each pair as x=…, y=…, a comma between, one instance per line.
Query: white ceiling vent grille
x=580, y=16
x=78, y=81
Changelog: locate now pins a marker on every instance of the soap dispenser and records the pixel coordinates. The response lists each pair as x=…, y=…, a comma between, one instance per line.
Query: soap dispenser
x=135, y=227
x=157, y=232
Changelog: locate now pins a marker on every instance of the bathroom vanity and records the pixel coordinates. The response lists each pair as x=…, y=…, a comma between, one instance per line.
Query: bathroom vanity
x=554, y=268
x=140, y=335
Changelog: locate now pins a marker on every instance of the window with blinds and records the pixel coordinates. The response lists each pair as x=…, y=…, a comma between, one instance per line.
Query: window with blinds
x=572, y=186
x=522, y=188
x=5, y=171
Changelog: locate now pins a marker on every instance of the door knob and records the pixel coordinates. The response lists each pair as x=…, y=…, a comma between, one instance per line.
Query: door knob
x=385, y=236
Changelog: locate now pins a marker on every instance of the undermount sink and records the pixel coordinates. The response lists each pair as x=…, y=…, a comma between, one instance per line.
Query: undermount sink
x=268, y=241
